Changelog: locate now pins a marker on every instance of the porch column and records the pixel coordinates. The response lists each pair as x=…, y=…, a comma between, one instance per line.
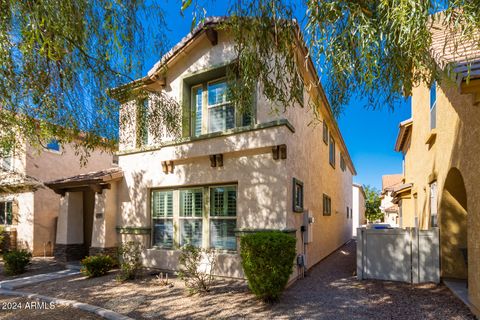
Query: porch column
x=69, y=242
x=104, y=236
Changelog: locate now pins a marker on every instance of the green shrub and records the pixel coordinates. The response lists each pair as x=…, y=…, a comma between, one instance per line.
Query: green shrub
x=196, y=268
x=267, y=260
x=16, y=261
x=96, y=266
x=130, y=258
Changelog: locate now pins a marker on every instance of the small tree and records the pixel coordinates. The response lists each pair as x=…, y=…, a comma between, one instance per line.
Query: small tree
x=372, y=204
x=196, y=268
x=130, y=258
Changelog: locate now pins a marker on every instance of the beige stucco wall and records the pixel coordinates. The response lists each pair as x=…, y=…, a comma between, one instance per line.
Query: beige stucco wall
x=264, y=199
x=456, y=147
x=38, y=210
x=358, y=209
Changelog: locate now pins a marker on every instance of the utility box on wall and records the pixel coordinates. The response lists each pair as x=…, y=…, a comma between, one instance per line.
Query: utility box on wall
x=307, y=226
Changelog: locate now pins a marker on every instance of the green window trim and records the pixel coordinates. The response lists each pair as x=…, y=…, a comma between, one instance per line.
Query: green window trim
x=297, y=196
x=327, y=205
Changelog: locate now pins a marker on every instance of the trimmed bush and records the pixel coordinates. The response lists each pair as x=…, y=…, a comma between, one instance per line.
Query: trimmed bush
x=16, y=261
x=267, y=260
x=96, y=266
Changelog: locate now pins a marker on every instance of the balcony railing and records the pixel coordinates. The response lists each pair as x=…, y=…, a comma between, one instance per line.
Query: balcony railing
x=433, y=116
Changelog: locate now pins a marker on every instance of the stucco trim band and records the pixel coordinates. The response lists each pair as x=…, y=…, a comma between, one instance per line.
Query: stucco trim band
x=133, y=230
x=256, y=127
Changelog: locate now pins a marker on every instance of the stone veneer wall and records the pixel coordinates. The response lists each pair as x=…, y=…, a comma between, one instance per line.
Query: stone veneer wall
x=69, y=252
x=112, y=251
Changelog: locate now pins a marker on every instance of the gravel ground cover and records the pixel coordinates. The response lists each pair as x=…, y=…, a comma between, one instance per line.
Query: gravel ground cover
x=330, y=291
x=38, y=265
x=17, y=308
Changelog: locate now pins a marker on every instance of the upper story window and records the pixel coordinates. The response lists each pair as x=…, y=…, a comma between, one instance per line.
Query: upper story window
x=213, y=110
x=6, y=160
x=325, y=132
x=53, y=145
x=332, y=152
x=433, y=105
x=433, y=94
x=343, y=164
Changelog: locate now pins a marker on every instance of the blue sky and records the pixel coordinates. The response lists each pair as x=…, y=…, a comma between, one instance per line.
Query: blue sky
x=369, y=134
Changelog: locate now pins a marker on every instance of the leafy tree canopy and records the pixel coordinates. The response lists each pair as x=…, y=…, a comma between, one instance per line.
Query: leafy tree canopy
x=372, y=204
x=58, y=58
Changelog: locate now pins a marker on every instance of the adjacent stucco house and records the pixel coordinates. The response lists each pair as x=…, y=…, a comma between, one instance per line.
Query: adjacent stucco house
x=28, y=209
x=441, y=175
x=358, y=208
x=227, y=174
x=389, y=209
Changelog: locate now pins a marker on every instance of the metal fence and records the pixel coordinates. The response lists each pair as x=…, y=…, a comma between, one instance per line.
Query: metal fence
x=408, y=255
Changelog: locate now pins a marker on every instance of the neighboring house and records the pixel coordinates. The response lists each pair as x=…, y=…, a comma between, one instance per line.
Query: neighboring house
x=441, y=145
x=229, y=173
x=358, y=208
x=389, y=209
x=27, y=208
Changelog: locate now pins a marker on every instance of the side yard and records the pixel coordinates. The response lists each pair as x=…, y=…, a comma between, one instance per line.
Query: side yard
x=330, y=291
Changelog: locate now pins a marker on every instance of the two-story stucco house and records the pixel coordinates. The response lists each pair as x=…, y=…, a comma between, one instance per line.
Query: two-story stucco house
x=441, y=144
x=228, y=174
x=29, y=210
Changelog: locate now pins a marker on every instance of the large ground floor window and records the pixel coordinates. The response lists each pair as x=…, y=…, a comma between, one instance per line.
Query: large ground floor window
x=202, y=216
x=6, y=213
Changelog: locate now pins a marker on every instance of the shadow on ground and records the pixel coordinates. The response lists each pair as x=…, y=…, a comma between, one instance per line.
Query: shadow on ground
x=330, y=291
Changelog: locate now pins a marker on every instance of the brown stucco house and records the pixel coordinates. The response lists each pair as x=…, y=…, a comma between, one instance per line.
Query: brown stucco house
x=227, y=174
x=441, y=174
x=28, y=209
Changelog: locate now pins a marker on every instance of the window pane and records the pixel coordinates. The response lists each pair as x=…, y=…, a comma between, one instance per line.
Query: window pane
x=9, y=215
x=2, y=212
x=223, y=201
x=221, y=118
x=162, y=204
x=163, y=233
x=53, y=145
x=222, y=234
x=191, y=232
x=191, y=203
x=198, y=110
x=217, y=93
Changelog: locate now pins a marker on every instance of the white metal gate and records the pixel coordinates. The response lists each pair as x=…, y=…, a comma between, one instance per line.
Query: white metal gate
x=408, y=255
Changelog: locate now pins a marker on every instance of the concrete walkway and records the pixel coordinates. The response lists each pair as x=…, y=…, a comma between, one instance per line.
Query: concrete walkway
x=8, y=288
x=32, y=280
x=104, y=313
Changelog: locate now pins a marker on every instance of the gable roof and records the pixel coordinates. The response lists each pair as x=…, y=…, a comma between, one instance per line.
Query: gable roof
x=390, y=181
x=405, y=130
x=450, y=47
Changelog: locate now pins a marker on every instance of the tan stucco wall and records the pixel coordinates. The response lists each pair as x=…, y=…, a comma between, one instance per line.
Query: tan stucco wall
x=358, y=209
x=70, y=219
x=265, y=185
x=38, y=211
x=456, y=146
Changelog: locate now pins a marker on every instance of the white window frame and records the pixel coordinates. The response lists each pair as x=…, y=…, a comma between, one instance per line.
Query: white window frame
x=210, y=217
x=193, y=217
x=206, y=216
